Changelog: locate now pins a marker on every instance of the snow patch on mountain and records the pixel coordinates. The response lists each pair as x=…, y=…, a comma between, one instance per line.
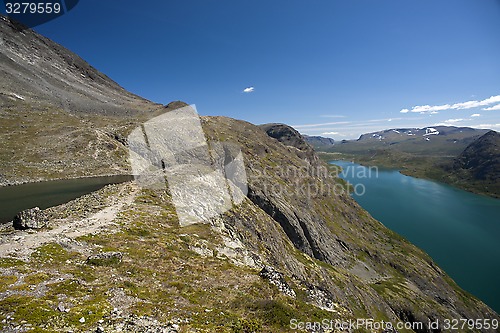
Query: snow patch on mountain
x=431, y=131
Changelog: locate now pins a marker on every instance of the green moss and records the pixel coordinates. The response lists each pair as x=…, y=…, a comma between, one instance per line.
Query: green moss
x=6, y=281
x=36, y=278
x=52, y=253
x=246, y=326
x=10, y=262
x=69, y=287
x=32, y=310
x=393, y=286
x=107, y=262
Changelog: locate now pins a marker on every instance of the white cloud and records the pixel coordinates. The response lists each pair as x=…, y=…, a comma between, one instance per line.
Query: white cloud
x=330, y=133
x=432, y=109
x=494, y=107
x=475, y=115
x=489, y=126
x=452, y=121
x=249, y=90
x=383, y=120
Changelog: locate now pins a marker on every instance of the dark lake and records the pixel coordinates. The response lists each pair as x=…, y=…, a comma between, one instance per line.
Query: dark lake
x=458, y=229
x=14, y=199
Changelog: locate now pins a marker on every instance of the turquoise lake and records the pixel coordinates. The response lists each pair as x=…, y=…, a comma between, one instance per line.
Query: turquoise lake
x=458, y=229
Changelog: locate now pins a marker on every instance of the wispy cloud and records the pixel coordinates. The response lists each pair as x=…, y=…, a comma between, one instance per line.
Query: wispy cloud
x=492, y=108
x=322, y=124
x=489, y=126
x=331, y=133
x=475, y=115
x=453, y=121
x=433, y=109
x=249, y=90
x=383, y=120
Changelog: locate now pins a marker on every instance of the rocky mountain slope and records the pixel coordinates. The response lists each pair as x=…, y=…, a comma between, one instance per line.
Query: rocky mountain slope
x=85, y=115
x=296, y=247
x=478, y=165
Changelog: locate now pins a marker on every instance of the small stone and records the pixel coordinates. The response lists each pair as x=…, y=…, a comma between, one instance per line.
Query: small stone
x=82, y=320
x=61, y=307
x=105, y=259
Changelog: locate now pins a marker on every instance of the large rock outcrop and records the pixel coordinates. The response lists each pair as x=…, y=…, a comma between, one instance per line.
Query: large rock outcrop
x=290, y=137
x=33, y=218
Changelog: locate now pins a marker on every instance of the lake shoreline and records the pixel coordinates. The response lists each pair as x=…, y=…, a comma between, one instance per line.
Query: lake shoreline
x=5, y=183
x=437, y=217
x=46, y=194
x=404, y=171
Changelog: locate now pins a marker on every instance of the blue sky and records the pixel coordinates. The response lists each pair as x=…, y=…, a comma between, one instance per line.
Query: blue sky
x=335, y=68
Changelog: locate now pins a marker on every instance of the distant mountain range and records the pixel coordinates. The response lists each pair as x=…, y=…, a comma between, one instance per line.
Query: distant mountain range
x=319, y=142
x=446, y=140
x=462, y=156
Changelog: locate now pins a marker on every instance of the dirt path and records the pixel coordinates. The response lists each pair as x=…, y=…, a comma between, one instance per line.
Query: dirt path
x=23, y=243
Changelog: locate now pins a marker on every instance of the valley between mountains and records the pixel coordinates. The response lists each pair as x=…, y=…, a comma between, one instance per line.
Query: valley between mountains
x=464, y=157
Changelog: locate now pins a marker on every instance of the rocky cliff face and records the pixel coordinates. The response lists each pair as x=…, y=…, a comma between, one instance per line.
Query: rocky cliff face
x=296, y=247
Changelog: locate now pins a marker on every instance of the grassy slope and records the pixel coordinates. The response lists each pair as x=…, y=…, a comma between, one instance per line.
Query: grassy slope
x=185, y=275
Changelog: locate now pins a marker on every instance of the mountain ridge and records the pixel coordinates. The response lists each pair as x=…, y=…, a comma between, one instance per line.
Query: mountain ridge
x=427, y=152
x=319, y=142
x=85, y=113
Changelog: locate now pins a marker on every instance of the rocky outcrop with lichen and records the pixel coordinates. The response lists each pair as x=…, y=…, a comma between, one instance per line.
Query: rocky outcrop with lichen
x=32, y=218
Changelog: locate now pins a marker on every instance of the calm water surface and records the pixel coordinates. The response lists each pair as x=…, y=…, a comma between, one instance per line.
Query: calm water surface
x=460, y=230
x=14, y=199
